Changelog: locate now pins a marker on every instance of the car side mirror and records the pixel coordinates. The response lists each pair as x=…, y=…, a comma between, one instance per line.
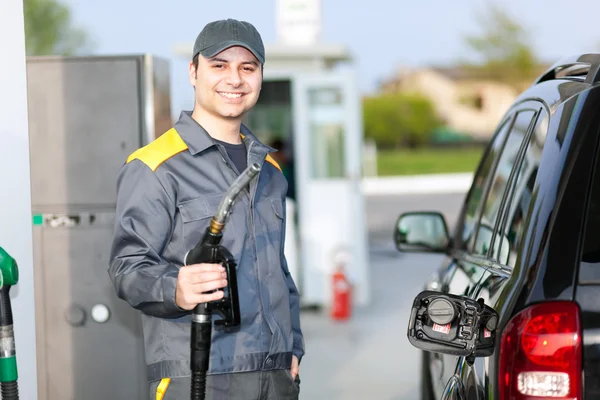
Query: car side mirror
x=450, y=324
x=421, y=232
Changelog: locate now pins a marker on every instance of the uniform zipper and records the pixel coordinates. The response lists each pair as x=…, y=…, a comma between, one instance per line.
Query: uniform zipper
x=251, y=195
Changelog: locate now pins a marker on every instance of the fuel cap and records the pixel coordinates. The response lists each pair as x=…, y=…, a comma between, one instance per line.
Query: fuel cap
x=441, y=311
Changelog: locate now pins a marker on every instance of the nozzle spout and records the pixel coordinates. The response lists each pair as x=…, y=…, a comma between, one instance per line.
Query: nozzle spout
x=220, y=218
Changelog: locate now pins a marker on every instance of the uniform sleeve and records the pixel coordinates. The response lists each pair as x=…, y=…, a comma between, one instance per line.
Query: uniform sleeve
x=298, y=349
x=143, y=224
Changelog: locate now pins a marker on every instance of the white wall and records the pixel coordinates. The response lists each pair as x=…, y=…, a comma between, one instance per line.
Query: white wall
x=15, y=194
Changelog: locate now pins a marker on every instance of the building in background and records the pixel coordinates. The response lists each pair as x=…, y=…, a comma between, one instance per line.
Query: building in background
x=466, y=105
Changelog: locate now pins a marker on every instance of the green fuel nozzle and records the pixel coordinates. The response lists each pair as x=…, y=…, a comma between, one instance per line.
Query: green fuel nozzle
x=9, y=276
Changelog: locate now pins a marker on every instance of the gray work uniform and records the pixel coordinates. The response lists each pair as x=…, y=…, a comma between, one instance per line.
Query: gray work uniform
x=167, y=193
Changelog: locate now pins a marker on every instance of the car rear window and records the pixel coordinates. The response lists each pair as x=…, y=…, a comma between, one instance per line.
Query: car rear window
x=591, y=241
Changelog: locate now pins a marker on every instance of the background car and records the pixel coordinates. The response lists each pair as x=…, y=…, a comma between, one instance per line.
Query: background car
x=527, y=246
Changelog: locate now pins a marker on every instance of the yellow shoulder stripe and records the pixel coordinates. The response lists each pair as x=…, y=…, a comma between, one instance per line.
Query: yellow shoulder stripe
x=160, y=150
x=272, y=161
x=162, y=388
x=268, y=159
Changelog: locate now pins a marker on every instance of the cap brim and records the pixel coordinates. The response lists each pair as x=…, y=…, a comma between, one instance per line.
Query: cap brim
x=212, y=51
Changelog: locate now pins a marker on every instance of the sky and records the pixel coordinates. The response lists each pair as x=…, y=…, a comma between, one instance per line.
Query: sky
x=380, y=34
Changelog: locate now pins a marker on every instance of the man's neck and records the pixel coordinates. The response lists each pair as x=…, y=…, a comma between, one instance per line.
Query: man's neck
x=219, y=128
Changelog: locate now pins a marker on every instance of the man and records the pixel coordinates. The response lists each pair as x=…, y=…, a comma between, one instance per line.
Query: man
x=167, y=193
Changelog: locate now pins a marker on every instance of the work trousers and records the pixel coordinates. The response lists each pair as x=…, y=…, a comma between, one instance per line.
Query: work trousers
x=258, y=385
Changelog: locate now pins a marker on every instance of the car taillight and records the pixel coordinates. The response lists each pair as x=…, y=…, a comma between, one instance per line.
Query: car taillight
x=540, y=353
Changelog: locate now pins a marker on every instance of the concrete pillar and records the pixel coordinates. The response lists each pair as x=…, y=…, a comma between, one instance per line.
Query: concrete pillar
x=15, y=193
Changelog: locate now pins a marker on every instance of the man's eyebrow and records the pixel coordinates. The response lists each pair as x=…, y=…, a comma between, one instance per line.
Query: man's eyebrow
x=222, y=60
x=217, y=59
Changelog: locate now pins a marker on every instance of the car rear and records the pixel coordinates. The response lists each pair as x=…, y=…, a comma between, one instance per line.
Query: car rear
x=550, y=344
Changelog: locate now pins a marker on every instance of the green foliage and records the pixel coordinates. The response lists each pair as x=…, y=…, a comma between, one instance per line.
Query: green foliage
x=396, y=120
x=428, y=161
x=49, y=29
x=504, y=49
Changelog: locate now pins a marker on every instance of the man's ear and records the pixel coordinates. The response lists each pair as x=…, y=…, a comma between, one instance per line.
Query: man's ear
x=192, y=74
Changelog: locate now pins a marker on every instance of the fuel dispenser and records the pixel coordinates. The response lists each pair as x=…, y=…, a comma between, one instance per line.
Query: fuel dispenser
x=9, y=275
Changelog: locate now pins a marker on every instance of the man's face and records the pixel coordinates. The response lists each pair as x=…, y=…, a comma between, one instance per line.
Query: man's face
x=228, y=84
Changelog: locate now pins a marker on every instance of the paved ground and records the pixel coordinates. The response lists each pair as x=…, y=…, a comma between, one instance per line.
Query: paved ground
x=369, y=357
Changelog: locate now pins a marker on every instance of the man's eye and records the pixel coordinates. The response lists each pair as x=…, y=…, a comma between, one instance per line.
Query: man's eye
x=249, y=69
x=218, y=66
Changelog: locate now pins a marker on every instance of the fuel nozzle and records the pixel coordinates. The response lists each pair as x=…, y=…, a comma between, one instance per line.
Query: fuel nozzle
x=9, y=275
x=209, y=250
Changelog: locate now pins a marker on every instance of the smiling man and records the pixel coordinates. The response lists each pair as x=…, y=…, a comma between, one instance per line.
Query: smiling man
x=166, y=193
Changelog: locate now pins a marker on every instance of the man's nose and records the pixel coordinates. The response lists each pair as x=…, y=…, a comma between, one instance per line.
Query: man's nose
x=234, y=78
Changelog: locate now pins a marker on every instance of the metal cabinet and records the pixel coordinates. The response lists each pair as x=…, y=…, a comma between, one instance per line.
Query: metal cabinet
x=86, y=115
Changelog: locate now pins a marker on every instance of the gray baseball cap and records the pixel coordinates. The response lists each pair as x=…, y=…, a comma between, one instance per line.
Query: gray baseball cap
x=220, y=35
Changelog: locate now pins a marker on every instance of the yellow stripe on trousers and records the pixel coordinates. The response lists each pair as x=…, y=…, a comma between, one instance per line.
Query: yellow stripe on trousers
x=162, y=388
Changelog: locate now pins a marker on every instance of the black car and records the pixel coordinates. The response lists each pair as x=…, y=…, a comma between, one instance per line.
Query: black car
x=514, y=312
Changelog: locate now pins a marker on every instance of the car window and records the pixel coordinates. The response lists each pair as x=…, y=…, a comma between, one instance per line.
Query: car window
x=474, y=197
x=465, y=277
x=518, y=211
x=499, y=182
x=591, y=241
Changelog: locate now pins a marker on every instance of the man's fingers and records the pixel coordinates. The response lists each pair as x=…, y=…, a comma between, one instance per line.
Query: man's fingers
x=194, y=281
x=294, y=368
x=192, y=299
x=208, y=286
x=196, y=268
x=205, y=298
x=201, y=277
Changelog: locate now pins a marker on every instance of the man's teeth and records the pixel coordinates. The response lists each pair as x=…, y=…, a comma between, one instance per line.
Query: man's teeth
x=231, y=95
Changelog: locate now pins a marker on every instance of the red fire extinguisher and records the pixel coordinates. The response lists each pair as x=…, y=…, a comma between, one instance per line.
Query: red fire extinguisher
x=342, y=295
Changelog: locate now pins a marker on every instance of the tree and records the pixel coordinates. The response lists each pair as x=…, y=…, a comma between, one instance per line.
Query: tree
x=49, y=29
x=504, y=49
x=395, y=120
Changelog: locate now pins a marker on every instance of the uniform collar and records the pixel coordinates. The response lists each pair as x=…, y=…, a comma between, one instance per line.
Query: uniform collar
x=194, y=135
x=198, y=139
x=248, y=137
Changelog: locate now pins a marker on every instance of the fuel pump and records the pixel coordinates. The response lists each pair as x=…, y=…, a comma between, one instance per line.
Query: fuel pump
x=9, y=275
x=209, y=250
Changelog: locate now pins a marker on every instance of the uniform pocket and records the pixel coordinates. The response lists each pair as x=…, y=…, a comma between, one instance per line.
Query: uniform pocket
x=199, y=208
x=277, y=205
x=295, y=381
x=270, y=218
x=196, y=215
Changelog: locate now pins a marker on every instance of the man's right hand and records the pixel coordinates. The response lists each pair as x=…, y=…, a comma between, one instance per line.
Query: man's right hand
x=194, y=280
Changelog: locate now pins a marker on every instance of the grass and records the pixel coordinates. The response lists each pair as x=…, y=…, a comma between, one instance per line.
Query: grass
x=428, y=161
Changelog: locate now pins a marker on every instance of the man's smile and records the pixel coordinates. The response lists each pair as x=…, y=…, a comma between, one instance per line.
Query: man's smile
x=231, y=95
